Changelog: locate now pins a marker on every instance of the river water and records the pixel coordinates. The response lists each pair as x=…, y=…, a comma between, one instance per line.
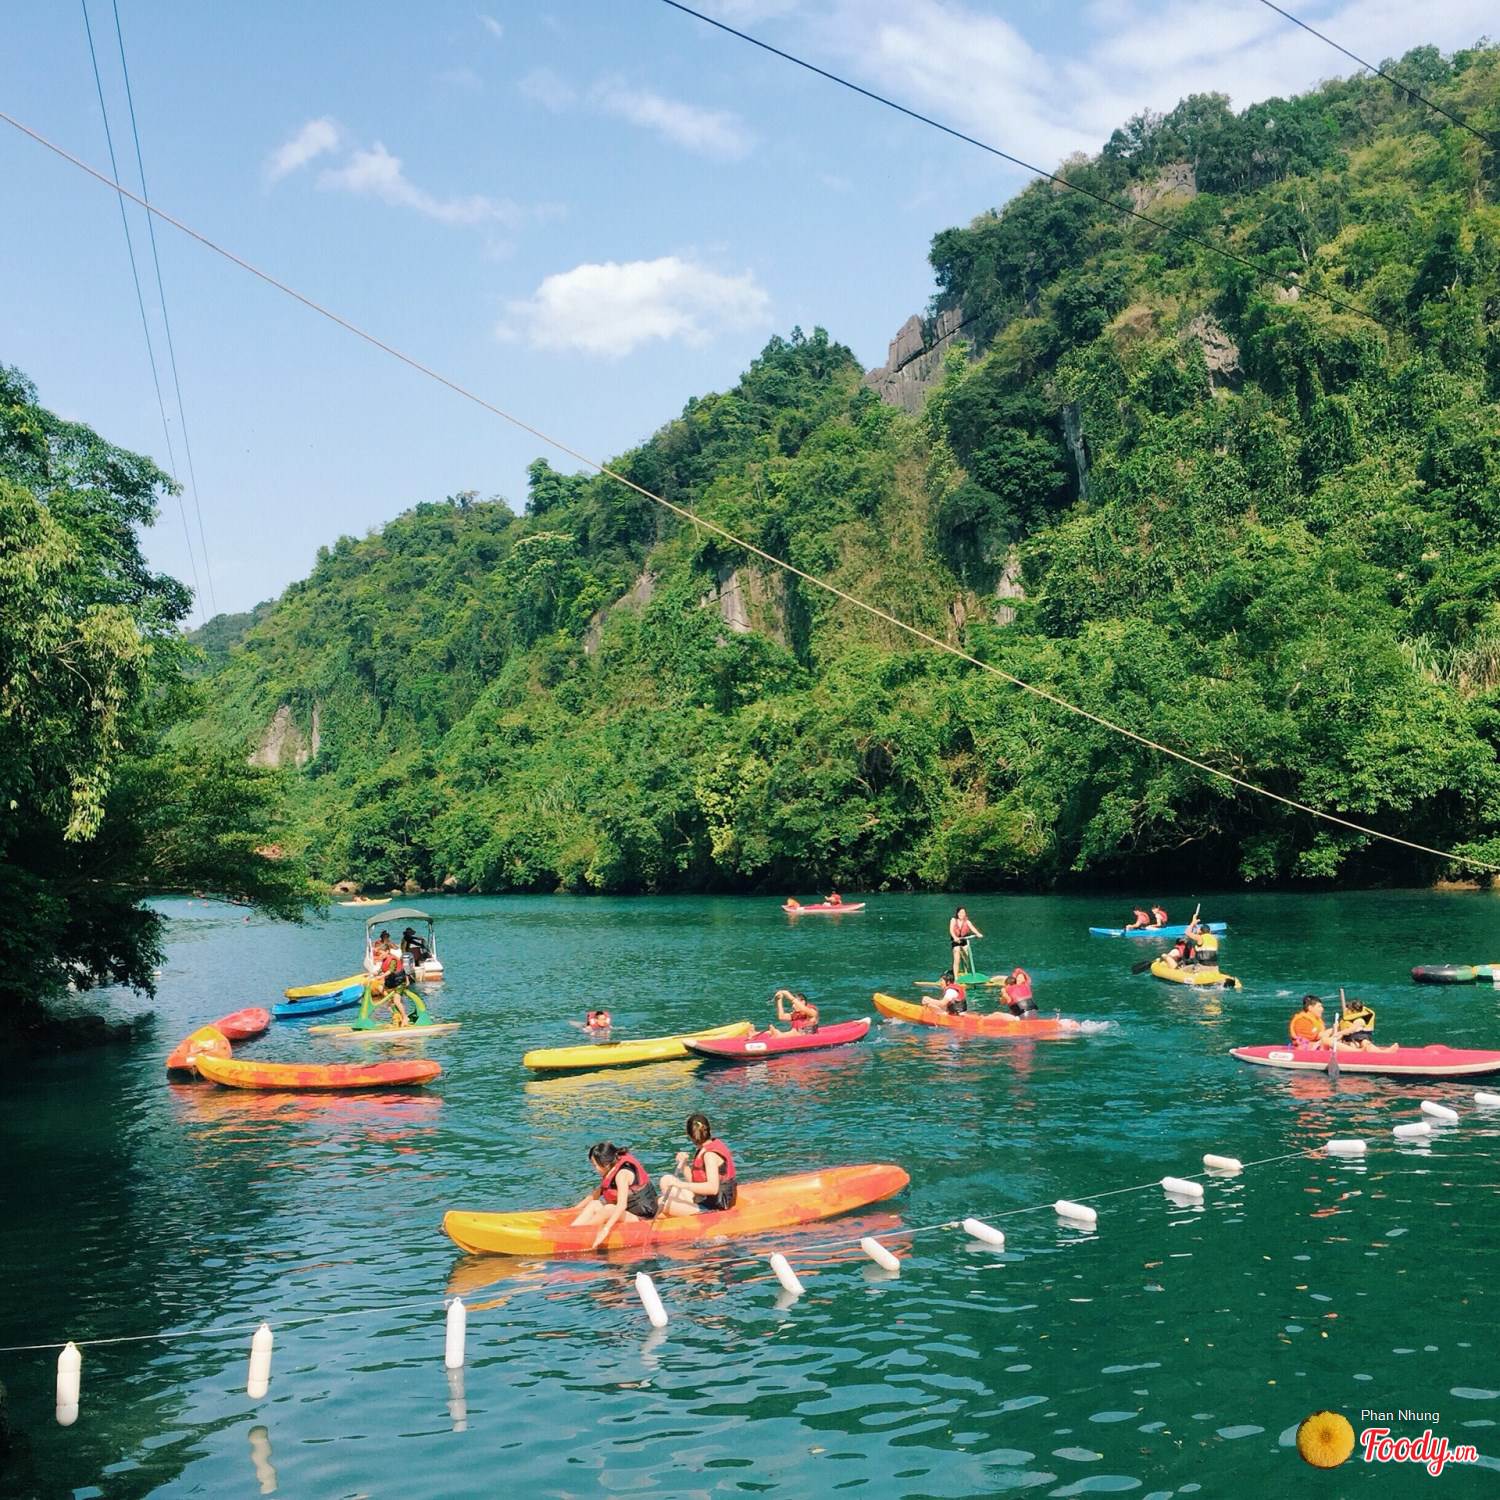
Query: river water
x=1171, y=1352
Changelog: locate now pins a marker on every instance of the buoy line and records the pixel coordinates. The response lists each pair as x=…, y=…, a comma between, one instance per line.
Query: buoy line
x=694, y=519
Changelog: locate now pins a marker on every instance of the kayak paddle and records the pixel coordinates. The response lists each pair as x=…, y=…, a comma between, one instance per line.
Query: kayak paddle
x=1333, y=1055
x=1145, y=964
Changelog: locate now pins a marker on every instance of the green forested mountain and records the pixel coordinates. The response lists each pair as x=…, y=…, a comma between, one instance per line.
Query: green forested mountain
x=1215, y=506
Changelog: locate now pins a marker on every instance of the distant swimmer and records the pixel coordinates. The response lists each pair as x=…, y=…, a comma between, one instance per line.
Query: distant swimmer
x=625, y=1192
x=597, y=1020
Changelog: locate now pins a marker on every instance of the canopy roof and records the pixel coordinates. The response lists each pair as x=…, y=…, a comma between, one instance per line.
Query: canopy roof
x=396, y=914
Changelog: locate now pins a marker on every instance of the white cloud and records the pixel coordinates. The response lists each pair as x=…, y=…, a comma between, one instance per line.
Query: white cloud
x=375, y=173
x=709, y=132
x=492, y=26
x=612, y=308
x=550, y=90
x=315, y=139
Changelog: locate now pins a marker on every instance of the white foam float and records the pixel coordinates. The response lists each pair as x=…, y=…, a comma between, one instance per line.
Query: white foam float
x=1486, y=1100
x=1223, y=1163
x=1346, y=1148
x=783, y=1272
x=1439, y=1112
x=1182, y=1187
x=645, y=1289
x=1077, y=1213
x=985, y=1233
x=69, y=1379
x=259, y=1379
x=455, y=1331
x=880, y=1255
x=1415, y=1131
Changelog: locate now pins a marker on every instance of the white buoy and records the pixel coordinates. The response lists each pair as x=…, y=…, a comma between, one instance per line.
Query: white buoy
x=986, y=1233
x=69, y=1379
x=1440, y=1112
x=784, y=1273
x=880, y=1255
x=1413, y=1132
x=645, y=1289
x=1345, y=1148
x=260, y=1459
x=1223, y=1163
x=1484, y=1099
x=1180, y=1187
x=1079, y=1213
x=259, y=1381
x=457, y=1328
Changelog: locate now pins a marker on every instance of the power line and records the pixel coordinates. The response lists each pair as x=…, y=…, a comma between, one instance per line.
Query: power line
x=161, y=292
x=681, y=511
x=1405, y=88
x=1266, y=273
x=140, y=302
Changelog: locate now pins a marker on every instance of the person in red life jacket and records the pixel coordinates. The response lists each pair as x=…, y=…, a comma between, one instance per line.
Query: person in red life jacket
x=708, y=1180
x=1142, y=918
x=1183, y=954
x=597, y=1020
x=834, y=899
x=952, y=999
x=803, y=1014
x=1017, y=993
x=1158, y=916
x=960, y=931
x=625, y=1192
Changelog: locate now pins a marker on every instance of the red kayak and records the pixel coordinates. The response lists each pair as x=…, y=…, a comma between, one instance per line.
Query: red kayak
x=240, y=1025
x=1405, y=1062
x=820, y=908
x=763, y=1044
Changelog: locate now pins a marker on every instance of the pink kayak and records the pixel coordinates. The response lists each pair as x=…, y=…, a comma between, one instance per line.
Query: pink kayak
x=763, y=1044
x=820, y=908
x=1405, y=1062
x=243, y=1024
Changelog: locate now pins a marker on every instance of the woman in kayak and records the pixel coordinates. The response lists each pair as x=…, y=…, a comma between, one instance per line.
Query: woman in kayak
x=1138, y=920
x=1306, y=1027
x=1017, y=993
x=625, y=1192
x=1158, y=916
x=951, y=1000
x=709, y=1182
x=1183, y=954
x=960, y=930
x=803, y=1014
x=834, y=899
x=1356, y=1027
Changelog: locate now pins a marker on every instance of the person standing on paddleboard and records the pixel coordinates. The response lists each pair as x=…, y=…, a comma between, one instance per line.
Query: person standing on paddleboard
x=960, y=930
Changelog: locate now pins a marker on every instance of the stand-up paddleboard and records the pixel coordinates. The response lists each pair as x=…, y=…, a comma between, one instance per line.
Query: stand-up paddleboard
x=760, y=1045
x=317, y=1077
x=968, y=1023
x=1435, y=1061
x=593, y=1055
x=776, y=1203
x=1177, y=931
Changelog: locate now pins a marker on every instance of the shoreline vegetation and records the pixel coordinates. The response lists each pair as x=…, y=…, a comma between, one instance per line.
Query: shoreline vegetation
x=1246, y=521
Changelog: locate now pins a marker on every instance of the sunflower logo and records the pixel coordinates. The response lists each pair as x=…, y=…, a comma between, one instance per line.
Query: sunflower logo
x=1325, y=1439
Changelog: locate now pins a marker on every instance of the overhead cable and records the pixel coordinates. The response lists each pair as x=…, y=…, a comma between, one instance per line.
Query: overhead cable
x=161, y=292
x=1265, y=272
x=140, y=302
x=684, y=513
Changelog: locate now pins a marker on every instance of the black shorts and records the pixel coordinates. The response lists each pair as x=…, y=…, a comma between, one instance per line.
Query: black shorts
x=1357, y=1036
x=726, y=1197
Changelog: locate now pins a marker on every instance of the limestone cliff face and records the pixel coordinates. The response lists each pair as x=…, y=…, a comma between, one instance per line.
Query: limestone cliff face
x=914, y=363
x=749, y=600
x=284, y=744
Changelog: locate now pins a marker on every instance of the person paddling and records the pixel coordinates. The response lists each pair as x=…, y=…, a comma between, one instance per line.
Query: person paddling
x=1158, y=916
x=952, y=999
x=1017, y=993
x=710, y=1183
x=624, y=1195
x=803, y=1014
x=960, y=931
x=1139, y=918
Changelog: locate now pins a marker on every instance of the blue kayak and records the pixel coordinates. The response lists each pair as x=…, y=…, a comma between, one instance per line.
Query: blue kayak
x=1156, y=932
x=319, y=1005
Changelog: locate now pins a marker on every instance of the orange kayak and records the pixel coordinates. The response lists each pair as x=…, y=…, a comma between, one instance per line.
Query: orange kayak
x=239, y=1025
x=773, y=1204
x=968, y=1023
x=206, y=1041
x=236, y=1074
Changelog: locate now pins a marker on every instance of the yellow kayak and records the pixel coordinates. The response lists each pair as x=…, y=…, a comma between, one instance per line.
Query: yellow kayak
x=328, y=987
x=623, y=1054
x=1201, y=974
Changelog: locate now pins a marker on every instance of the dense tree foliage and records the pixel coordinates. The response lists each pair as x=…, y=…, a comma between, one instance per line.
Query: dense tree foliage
x=1202, y=500
x=98, y=814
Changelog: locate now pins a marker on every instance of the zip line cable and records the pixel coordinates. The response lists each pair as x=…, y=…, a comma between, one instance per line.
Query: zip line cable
x=1405, y=88
x=1265, y=273
x=140, y=302
x=873, y=610
x=161, y=292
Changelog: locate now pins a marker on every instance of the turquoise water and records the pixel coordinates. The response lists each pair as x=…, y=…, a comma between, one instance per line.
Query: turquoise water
x=1172, y=1352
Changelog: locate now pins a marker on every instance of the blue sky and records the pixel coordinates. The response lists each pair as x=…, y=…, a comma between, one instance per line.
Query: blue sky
x=588, y=211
